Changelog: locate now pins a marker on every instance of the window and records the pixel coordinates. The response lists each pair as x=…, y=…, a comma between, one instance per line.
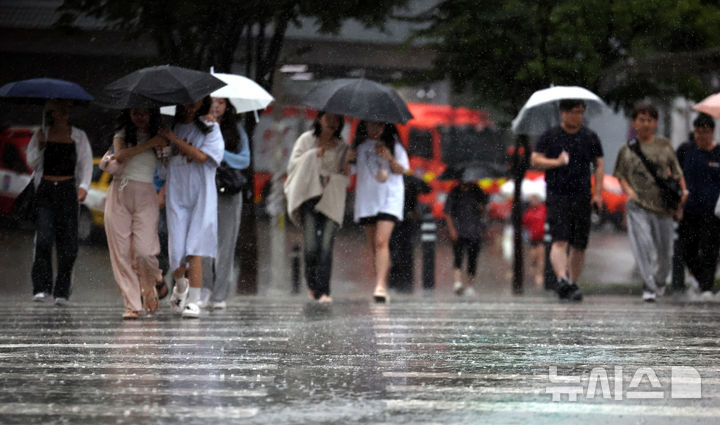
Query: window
x=466, y=144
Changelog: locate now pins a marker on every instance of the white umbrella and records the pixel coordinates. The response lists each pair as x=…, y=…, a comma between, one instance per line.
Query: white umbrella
x=542, y=112
x=244, y=94
x=528, y=189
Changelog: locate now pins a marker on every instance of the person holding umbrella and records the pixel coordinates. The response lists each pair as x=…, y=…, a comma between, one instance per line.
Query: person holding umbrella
x=315, y=188
x=131, y=211
x=219, y=274
x=380, y=192
x=61, y=156
x=191, y=200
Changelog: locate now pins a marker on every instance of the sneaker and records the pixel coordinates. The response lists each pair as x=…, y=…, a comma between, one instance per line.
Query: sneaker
x=458, y=288
x=204, y=305
x=179, y=296
x=469, y=292
x=648, y=296
x=39, y=297
x=191, y=311
x=222, y=305
x=661, y=291
x=563, y=288
x=707, y=295
x=61, y=301
x=324, y=299
x=575, y=294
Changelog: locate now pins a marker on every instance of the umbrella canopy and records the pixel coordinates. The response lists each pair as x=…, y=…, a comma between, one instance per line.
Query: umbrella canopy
x=159, y=85
x=528, y=189
x=710, y=105
x=542, y=111
x=359, y=98
x=244, y=94
x=44, y=88
x=472, y=171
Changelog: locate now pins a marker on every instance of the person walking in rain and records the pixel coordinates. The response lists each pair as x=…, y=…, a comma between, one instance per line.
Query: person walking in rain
x=649, y=217
x=191, y=201
x=315, y=188
x=699, y=231
x=220, y=273
x=465, y=219
x=380, y=193
x=61, y=156
x=131, y=211
x=569, y=154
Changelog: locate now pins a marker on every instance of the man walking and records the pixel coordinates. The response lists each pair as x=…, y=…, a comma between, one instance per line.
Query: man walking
x=649, y=216
x=699, y=232
x=569, y=153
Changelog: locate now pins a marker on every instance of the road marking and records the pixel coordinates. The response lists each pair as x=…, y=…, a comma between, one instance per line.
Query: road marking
x=139, y=391
x=146, y=377
x=104, y=410
x=430, y=389
x=126, y=365
x=549, y=346
x=134, y=356
x=149, y=338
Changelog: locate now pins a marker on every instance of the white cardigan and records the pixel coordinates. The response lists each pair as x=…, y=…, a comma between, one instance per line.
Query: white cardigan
x=83, y=165
x=303, y=180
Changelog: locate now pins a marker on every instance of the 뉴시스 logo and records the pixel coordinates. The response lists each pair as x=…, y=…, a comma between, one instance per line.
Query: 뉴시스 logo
x=684, y=382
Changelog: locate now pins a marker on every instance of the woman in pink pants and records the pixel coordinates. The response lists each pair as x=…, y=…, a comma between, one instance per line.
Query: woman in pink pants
x=131, y=211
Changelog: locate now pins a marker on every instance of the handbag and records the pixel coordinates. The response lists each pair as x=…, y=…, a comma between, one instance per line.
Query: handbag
x=24, y=207
x=229, y=181
x=110, y=165
x=670, y=190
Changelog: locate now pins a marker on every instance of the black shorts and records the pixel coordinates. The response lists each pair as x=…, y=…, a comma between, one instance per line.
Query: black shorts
x=365, y=221
x=569, y=220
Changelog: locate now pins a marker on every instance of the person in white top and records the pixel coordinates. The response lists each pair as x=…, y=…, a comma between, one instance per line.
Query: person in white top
x=131, y=211
x=380, y=192
x=191, y=204
x=62, y=159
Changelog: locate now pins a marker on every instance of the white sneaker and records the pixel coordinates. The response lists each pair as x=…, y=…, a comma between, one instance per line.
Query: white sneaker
x=648, y=296
x=707, y=295
x=219, y=305
x=661, y=290
x=469, y=292
x=204, y=305
x=458, y=288
x=191, y=311
x=39, y=297
x=61, y=302
x=178, y=299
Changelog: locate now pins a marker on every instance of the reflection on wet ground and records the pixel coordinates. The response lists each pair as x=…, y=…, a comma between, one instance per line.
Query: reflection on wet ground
x=285, y=360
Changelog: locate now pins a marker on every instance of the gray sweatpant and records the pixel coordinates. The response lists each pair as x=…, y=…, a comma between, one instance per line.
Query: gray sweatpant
x=651, y=241
x=220, y=278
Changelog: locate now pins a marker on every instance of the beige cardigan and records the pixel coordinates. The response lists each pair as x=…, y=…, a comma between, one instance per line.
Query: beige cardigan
x=303, y=180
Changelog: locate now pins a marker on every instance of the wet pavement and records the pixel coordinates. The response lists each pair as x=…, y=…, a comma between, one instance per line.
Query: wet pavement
x=419, y=360
x=426, y=358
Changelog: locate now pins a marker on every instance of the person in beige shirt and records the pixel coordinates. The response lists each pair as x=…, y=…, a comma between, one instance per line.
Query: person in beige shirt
x=650, y=223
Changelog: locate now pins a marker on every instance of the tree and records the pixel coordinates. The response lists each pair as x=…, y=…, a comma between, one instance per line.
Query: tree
x=202, y=34
x=623, y=49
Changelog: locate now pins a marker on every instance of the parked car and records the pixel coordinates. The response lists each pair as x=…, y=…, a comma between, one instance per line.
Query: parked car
x=15, y=174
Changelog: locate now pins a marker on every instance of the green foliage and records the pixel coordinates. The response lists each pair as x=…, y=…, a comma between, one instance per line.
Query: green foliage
x=623, y=49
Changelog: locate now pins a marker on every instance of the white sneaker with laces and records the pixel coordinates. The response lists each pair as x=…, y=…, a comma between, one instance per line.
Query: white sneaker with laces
x=191, y=311
x=179, y=296
x=469, y=292
x=219, y=305
x=61, y=301
x=648, y=296
x=39, y=297
x=458, y=288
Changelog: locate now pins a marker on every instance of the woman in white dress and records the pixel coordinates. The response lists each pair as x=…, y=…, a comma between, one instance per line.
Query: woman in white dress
x=380, y=193
x=191, y=201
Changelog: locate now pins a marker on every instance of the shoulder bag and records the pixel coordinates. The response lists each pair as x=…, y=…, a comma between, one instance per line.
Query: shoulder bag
x=229, y=181
x=670, y=190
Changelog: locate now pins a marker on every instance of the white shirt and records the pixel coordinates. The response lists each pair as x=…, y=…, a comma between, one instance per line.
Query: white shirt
x=371, y=196
x=83, y=165
x=141, y=167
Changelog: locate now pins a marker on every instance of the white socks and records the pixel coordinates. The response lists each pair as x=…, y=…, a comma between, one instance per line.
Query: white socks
x=194, y=295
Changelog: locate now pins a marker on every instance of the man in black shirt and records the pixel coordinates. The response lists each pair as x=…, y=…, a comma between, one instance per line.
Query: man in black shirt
x=566, y=153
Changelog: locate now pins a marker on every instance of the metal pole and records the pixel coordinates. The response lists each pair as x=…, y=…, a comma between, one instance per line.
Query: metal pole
x=428, y=237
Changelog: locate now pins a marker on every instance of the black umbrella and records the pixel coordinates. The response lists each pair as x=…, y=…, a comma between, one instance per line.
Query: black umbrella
x=41, y=89
x=359, y=98
x=157, y=86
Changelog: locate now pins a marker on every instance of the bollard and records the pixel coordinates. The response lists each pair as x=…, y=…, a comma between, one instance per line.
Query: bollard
x=295, y=259
x=550, y=278
x=428, y=230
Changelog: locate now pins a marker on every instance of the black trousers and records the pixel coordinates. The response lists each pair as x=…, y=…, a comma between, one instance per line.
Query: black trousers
x=56, y=222
x=699, y=239
x=473, y=249
x=402, y=246
x=318, y=237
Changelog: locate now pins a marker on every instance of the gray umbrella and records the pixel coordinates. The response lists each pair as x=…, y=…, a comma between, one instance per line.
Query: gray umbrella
x=359, y=98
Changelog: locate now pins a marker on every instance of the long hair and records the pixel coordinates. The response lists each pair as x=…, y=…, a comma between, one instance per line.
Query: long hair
x=204, y=110
x=124, y=122
x=389, y=136
x=229, y=127
x=317, y=127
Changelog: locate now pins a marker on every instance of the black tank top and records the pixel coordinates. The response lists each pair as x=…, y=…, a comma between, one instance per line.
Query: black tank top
x=59, y=159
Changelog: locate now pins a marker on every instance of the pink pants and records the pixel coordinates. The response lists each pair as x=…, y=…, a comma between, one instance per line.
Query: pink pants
x=131, y=226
